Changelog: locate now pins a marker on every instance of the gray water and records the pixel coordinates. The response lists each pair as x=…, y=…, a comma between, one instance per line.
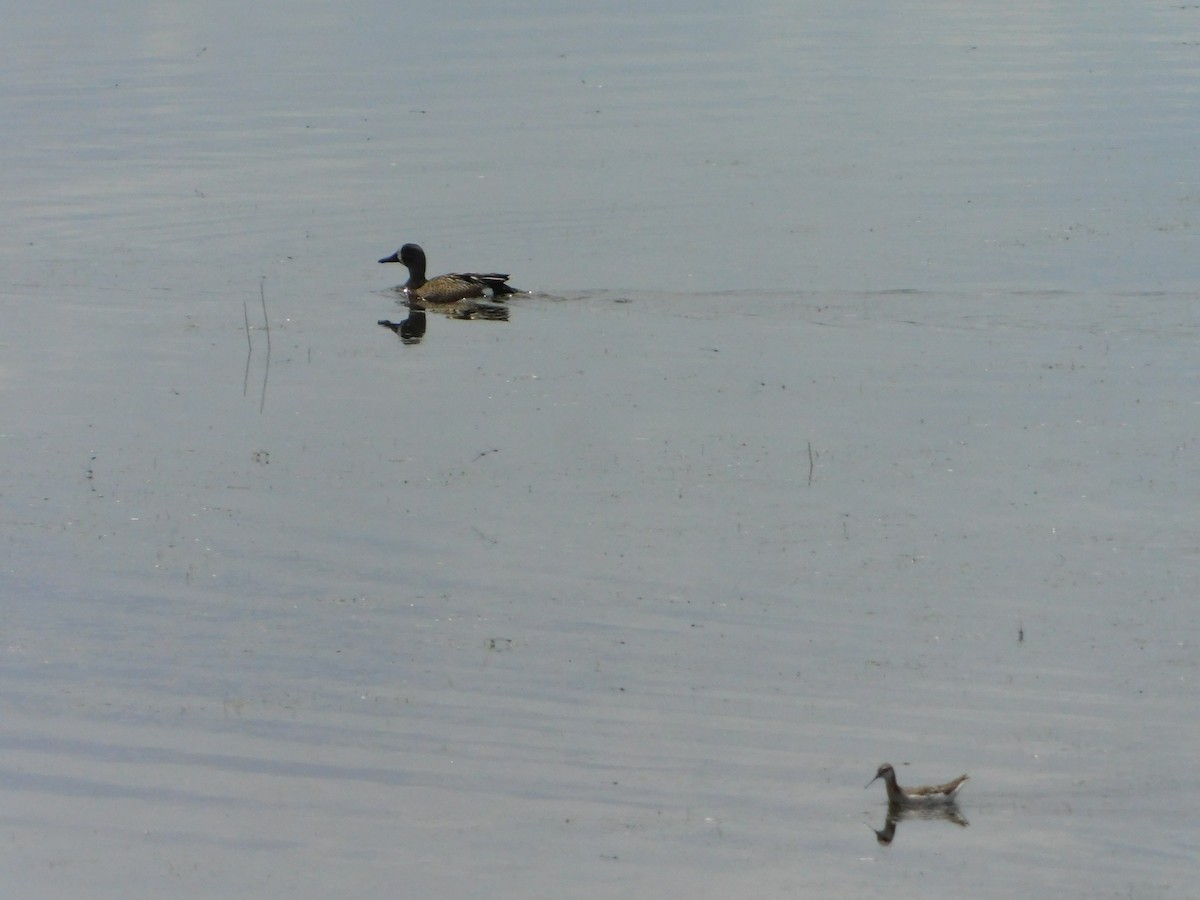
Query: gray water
x=850, y=418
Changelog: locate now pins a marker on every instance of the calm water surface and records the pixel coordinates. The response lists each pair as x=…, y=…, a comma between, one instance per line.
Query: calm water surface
x=851, y=419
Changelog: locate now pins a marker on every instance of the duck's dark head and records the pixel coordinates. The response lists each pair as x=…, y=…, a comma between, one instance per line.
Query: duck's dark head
x=412, y=256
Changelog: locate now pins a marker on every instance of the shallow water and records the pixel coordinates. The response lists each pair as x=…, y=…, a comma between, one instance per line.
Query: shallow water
x=851, y=419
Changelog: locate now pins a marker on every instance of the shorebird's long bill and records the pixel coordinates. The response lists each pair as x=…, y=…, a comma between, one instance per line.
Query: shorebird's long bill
x=871, y=782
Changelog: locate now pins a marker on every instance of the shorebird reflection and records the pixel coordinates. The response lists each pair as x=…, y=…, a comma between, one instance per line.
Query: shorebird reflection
x=897, y=814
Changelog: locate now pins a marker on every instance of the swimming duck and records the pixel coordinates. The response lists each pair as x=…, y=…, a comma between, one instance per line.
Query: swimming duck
x=445, y=288
x=919, y=796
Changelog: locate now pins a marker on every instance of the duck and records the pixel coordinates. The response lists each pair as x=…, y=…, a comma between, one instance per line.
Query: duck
x=910, y=798
x=445, y=288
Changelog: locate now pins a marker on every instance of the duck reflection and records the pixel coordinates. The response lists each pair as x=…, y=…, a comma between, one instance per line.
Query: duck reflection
x=897, y=814
x=412, y=329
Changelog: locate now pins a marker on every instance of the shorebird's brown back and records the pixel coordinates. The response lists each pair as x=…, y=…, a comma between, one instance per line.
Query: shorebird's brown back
x=946, y=789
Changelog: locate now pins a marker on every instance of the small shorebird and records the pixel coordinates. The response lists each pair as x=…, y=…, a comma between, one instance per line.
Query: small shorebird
x=909, y=798
x=445, y=288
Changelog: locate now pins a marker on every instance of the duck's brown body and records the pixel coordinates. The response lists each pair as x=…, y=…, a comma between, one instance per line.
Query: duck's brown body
x=919, y=796
x=445, y=288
